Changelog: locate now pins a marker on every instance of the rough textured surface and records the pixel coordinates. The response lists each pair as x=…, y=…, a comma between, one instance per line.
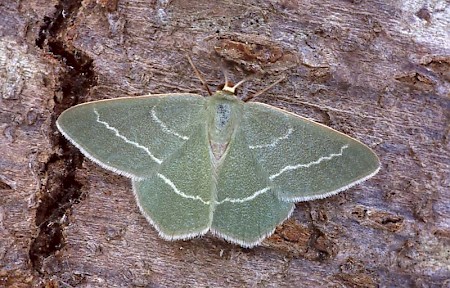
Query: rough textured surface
x=378, y=72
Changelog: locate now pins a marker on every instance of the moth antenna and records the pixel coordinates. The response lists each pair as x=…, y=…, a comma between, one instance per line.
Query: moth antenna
x=225, y=75
x=240, y=83
x=263, y=90
x=199, y=75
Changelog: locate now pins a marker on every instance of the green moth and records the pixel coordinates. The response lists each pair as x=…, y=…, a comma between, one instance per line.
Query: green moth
x=217, y=163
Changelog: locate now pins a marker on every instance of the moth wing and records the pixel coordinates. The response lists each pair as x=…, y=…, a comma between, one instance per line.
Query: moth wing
x=305, y=160
x=247, y=206
x=177, y=199
x=132, y=136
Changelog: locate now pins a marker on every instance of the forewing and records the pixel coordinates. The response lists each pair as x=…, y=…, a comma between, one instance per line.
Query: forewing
x=305, y=160
x=132, y=136
x=177, y=199
x=247, y=207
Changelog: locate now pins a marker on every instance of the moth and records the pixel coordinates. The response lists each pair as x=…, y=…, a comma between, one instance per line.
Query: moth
x=216, y=164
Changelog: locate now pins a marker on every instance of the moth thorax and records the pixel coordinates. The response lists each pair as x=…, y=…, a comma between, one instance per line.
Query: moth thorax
x=222, y=126
x=221, y=129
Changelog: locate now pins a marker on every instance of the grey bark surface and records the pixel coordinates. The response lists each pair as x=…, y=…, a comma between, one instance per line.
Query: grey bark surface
x=378, y=72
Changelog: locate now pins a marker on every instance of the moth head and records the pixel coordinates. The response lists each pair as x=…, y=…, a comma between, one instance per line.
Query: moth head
x=228, y=87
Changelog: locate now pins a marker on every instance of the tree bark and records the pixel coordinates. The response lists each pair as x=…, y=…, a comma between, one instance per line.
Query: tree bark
x=378, y=72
